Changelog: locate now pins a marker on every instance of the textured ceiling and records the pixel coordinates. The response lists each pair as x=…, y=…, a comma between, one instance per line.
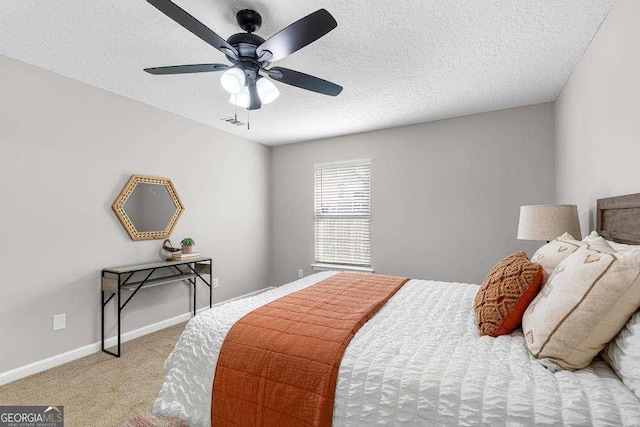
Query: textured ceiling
x=400, y=62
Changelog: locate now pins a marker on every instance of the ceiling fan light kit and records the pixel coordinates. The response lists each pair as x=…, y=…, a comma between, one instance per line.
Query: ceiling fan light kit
x=267, y=91
x=246, y=79
x=233, y=80
x=241, y=99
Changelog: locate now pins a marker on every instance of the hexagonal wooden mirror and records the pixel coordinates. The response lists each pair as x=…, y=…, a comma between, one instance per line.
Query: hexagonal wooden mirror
x=148, y=207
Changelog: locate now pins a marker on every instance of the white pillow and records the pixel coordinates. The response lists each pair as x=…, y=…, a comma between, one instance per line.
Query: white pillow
x=598, y=244
x=618, y=247
x=594, y=235
x=623, y=354
x=621, y=247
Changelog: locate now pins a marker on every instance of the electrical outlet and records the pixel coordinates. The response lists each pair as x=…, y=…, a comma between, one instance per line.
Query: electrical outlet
x=59, y=321
x=300, y=273
x=215, y=282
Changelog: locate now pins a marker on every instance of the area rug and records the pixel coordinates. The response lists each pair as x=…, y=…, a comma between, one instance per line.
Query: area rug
x=148, y=419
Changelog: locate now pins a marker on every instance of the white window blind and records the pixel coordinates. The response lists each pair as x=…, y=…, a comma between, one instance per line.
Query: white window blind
x=343, y=213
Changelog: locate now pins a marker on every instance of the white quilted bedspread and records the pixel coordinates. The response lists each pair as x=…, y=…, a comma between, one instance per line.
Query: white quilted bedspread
x=419, y=361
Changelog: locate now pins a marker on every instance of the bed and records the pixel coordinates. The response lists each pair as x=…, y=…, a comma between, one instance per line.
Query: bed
x=420, y=361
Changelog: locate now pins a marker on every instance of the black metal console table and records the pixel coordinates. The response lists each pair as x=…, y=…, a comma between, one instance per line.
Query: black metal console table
x=115, y=280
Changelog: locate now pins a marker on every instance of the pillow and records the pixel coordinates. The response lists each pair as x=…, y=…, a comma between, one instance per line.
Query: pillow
x=621, y=247
x=551, y=254
x=598, y=244
x=586, y=301
x=623, y=354
x=593, y=236
x=618, y=247
x=505, y=294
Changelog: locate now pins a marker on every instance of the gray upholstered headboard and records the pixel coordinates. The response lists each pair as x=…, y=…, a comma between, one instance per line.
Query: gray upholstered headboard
x=619, y=219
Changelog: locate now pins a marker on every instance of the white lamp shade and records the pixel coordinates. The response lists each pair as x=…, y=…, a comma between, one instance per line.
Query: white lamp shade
x=233, y=80
x=242, y=98
x=546, y=222
x=267, y=91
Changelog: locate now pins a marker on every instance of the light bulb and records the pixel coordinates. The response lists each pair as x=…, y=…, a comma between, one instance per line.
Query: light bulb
x=242, y=98
x=233, y=80
x=267, y=91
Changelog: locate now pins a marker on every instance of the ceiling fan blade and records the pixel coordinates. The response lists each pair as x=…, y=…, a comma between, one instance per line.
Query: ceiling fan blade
x=297, y=35
x=255, y=102
x=186, y=69
x=304, y=81
x=176, y=13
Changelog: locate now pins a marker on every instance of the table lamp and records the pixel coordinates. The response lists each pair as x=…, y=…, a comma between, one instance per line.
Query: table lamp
x=546, y=222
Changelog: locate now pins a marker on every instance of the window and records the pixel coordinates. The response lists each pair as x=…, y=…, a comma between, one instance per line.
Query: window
x=343, y=213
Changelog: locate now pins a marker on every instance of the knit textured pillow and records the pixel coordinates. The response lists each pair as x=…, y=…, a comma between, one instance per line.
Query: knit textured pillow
x=506, y=293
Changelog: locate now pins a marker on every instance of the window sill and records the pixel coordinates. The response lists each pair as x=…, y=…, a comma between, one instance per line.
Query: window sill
x=324, y=267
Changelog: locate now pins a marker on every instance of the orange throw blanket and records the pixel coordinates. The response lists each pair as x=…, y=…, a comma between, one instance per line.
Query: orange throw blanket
x=278, y=365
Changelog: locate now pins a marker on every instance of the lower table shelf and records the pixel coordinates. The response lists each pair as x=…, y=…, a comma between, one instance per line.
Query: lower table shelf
x=149, y=283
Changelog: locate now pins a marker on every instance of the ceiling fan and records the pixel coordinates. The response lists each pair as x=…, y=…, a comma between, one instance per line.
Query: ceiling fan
x=250, y=55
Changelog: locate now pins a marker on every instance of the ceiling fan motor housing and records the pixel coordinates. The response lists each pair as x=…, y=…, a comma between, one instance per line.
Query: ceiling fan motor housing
x=246, y=45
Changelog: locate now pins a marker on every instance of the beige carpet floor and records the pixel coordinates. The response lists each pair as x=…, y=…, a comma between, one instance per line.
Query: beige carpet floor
x=100, y=390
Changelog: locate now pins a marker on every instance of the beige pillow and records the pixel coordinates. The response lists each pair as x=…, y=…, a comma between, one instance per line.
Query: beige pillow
x=598, y=244
x=584, y=304
x=618, y=247
x=551, y=254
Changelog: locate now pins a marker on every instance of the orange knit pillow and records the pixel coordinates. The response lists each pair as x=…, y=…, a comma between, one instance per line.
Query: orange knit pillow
x=506, y=293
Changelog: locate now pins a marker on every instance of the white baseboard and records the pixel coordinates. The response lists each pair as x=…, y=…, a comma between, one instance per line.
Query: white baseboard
x=59, y=359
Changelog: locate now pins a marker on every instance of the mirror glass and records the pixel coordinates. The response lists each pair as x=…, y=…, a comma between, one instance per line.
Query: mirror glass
x=148, y=207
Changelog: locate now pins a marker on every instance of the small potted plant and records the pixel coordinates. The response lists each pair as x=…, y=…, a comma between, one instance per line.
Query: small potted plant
x=187, y=245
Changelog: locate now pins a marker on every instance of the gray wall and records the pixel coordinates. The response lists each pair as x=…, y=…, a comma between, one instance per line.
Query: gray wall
x=66, y=151
x=445, y=198
x=598, y=117
x=445, y=195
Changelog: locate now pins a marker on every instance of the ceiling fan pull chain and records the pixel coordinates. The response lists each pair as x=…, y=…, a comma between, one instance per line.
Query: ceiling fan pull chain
x=248, y=127
x=235, y=108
